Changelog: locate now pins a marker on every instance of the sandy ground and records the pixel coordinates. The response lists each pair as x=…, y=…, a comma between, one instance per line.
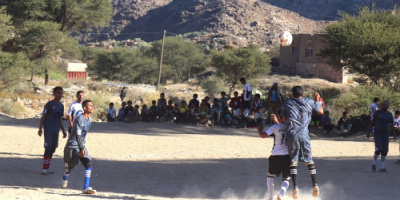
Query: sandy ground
x=169, y=161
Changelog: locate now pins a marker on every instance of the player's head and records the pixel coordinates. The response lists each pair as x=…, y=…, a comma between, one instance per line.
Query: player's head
x=326, y=113
x=257, y=96
x=235, y=94
x=153, y=102
x=111, y=105
x=144, y=106
x=207, y=98
x=397, y=113
x=376, y=100
x=129, y=103
x=203, y=102
x=195, y=96
x=274, y=119
x=223, y=94
x=136, y=107
x=162, y=95
x=297, y=91
x=345, y=114
x=87, y=106
x=58, y=92
x=170, y=102
x=243, y=80
x=80, y=95
x=216, y=101
x=183, y=102
x=384, y=105
x=123, y=104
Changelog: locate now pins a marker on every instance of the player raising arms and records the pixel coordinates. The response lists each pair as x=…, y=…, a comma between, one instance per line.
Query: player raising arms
x=51, y=121
x=75, y=149
x=279, y=161
x=296, y=114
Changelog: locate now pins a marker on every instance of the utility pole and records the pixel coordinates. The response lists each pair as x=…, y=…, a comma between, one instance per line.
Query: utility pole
x=161, y=58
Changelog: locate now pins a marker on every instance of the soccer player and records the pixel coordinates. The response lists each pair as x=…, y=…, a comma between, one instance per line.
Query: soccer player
x=75, y=149
x=296, y=114
x=279, y=161
x=381, y=121
x=75, y=109
x=51, y=121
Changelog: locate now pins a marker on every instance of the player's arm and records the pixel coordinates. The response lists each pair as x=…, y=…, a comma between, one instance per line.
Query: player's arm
x=62, y=128
x=69, y=113
x=392, y=131
x=79, y=138
x=261, y=133
x=70, y=120
x=41, y=123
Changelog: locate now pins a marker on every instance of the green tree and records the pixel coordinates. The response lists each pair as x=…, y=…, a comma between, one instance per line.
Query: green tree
x=367, y=44
x=5, y=26
x=185, y=57
x=12, y=68
x=126, y=65
x=232, y=64
x=42, y=41
x=72, y=15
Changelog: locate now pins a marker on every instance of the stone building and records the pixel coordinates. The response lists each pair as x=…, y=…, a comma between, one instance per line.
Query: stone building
x=301, y=59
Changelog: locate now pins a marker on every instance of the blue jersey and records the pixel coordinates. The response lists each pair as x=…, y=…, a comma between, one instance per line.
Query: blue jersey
x=382, y=121
x=54, y=111
x=298, y=113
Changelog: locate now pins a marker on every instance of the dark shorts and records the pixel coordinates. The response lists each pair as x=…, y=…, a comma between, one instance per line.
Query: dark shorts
x=50, y=139
x=381, y=142
x=72, y=157
x=278, y=164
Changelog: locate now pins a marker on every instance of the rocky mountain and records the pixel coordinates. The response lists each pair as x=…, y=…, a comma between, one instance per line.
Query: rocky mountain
x=232, y=22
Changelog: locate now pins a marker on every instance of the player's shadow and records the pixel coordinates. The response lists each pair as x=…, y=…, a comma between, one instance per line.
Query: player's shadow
x=207, y=178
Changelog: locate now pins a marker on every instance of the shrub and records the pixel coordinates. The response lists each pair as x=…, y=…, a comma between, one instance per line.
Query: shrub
x=14, y=109
x=100, y=102
x=213, y=86
x=329, y=94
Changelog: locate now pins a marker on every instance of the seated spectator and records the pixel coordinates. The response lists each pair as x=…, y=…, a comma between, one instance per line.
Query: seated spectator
x=169, y=108
x=153, y=111
x=128, y=112
x=251, y=119
x=121, y=115
x=202, y=118
x=111, y=113
x=260, y=117
x=227, y=117
x=396, y=122
x=183, y=111
x=257, y=103
x=240, y=117
x=135, y=114
x=344, y=122
x=175, y=112
x=235, y=102
x=161, y=106
x=216, y=111
x=144, y=113
x=193, y=113
x=326, y=122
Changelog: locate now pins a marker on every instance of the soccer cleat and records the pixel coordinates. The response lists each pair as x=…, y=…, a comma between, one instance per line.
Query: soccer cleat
x=383, y=170
x=88, y=190
x=44, y=172
x=373, y=167
x=64, y=183
x=315, y=191
x=295, y=193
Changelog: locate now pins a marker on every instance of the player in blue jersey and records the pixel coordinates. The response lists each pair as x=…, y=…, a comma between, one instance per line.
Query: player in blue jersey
x=279, y=161
x=296, y=114
x=382, y=121
x=75, y=149
x=51, y=121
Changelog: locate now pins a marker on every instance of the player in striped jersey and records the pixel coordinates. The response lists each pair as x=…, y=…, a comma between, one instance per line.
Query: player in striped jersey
x=75, y=150
x=279, y=161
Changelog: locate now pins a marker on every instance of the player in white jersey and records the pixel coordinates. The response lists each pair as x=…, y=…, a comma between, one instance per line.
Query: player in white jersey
x=279, y=161
x=75, y=109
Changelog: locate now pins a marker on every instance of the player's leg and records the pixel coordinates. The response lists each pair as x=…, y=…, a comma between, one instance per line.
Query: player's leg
x=71, y=159
x=294, y=150
x=285, y=165
x=378, y=150
x=306, y=156
x=384, y=152
x=87, y=163
x=273, y=169
x=49, y=149
x=67, y=171
x=270, y=186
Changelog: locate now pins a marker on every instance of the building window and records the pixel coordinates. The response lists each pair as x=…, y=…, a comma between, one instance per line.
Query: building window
x=309, y=53
x=294, y=50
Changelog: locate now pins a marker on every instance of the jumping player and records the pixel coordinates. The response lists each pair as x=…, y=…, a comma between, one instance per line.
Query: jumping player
x=51, y=120
x=75, y=149
x=75, y=109
x=279, y=161
x=296, y=114
x=381, y=121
